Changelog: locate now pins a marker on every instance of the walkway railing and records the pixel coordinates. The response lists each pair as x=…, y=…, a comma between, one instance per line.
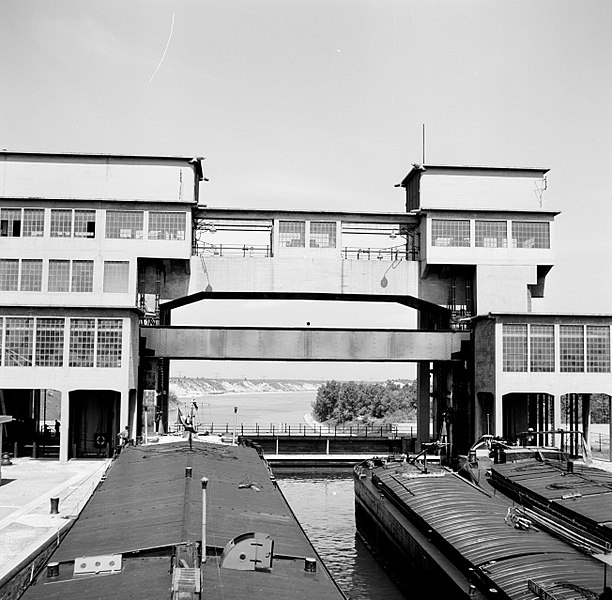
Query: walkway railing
x=248, y=250
x=293, y=429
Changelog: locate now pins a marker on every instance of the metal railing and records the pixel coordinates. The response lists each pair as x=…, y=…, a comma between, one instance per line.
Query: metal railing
x=242, y=251
x=261, y=250
x=380, y=253
x=291, y=429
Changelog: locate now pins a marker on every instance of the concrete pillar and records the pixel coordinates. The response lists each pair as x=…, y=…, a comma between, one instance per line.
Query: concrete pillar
x=124, y=414
x=610, y=419
x=423, y=404
x=64, y=425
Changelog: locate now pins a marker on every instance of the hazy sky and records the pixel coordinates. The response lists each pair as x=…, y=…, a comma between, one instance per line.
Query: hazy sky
x=319, y=104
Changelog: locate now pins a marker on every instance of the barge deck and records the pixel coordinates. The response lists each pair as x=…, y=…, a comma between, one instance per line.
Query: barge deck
x=140, y=534
x=462, y=541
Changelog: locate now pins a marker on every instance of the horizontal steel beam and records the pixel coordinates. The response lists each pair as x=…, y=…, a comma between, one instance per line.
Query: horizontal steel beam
x=270, y=344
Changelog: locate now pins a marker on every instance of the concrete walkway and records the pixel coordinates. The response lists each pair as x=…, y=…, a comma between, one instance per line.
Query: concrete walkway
x=27, y=487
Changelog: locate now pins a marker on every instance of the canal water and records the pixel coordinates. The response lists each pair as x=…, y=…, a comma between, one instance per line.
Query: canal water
x=323, y=502
x=324, y=505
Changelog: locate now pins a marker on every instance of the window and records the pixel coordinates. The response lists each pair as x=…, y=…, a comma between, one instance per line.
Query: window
x=109, y=343
x=446, y=232
x=33, y=222
x=598, y=349
x=322, y=235
x=82, y=342
x=49, y=342
x=542, y=348
x=116, y=277
x=59, y=276
x=515, y=348
x=10, y=222
x=9, y=274
x=527, y=234
x=167, y=225
x=19, y=342
x=61, y=222
x=31, y=275
x=571, y=348
x=85, y=223
x=124, y=224
x=491, y=234
x=292, y=234
x=82, y=275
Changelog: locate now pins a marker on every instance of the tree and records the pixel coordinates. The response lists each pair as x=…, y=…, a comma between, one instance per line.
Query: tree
x=347, y=401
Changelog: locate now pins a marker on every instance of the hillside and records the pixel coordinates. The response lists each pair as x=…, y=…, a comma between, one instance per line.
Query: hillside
x=195, y=386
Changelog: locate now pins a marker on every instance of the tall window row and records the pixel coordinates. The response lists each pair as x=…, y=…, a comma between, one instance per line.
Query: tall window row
x=318, y=234
x=41, y=341
x=81, y=223
x=490, y=234
x=63, y=275
x=531, y=347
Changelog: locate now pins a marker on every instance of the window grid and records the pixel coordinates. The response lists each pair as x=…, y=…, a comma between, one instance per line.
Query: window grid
x=571, y=348
x=450, y=232
x=31, y=275
x=526, y=234
x=542, y=348
x=108, y=351
x=491, y=234
x=292, y=234
x=82, y=276
x=85, y=223
x=10, y=222
x=59, y=276
x=9, y=274
x=514, y=348
x=166, y=226
x=116, y=277
x=124, y=224
x=322, y=234
x=33, y=222
x=49, y=342
x=82, y=342
x=61, y=222
x=18, y=346
x=598, y=349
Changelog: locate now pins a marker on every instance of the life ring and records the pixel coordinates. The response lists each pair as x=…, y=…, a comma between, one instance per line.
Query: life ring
x=100, y=440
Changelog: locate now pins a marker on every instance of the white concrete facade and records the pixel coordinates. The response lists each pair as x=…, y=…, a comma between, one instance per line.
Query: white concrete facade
x=73, y=229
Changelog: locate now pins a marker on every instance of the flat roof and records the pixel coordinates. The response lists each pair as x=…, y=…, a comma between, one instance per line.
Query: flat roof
x=420, y=168
x=547, y=315
x=206, y=212
x=194, y=161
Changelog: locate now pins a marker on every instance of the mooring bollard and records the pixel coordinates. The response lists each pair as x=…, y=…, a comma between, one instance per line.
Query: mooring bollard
x=54, y=506
x=6, y=460
x=310, y=565
x=53, y=569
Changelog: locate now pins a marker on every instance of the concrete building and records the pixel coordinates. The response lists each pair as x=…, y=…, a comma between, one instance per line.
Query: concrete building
x=78, y=236
x=95, y=249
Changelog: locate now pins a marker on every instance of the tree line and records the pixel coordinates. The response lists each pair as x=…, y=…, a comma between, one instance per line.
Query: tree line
x=348, y=401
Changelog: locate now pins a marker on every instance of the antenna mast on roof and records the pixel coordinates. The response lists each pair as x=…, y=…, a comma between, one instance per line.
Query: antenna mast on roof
x=423, y=144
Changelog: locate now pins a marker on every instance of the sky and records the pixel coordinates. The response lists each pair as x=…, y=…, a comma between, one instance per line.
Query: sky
x=320, y=105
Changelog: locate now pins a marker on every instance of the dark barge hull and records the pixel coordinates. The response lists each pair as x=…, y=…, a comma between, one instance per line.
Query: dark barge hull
x=145, y=519
x=441, y=535
x=404, y=550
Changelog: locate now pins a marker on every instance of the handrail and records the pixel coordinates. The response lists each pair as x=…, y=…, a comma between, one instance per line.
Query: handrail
x=293, y=430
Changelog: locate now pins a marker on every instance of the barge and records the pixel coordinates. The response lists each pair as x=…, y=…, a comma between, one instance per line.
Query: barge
x=445, y=536
x=186, y=521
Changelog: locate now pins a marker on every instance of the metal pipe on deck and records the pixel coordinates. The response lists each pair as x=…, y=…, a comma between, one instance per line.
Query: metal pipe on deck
x=204, y=481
